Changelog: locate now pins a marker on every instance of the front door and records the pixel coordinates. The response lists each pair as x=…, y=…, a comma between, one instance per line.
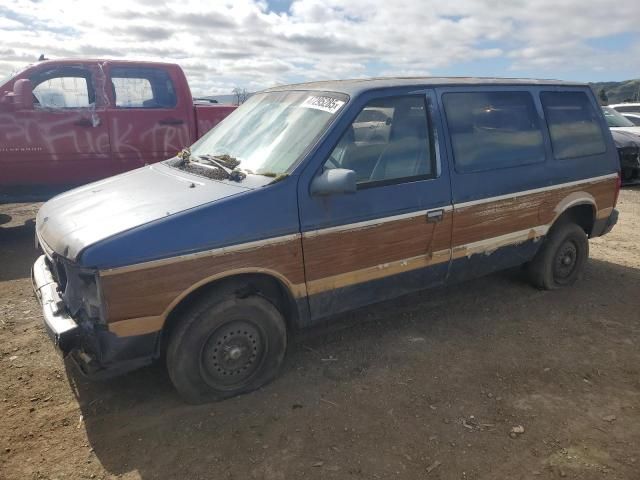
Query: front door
x=393, y=235
x=64, y=139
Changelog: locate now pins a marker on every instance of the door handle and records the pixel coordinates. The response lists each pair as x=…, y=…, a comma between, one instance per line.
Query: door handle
x=84, y=122
x=435, y=216
x=171, y=121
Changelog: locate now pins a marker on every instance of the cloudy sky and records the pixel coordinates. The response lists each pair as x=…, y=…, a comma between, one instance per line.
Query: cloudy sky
x=256, y=44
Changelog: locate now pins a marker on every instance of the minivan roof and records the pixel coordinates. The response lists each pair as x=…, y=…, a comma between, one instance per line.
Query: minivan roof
x=356, y=86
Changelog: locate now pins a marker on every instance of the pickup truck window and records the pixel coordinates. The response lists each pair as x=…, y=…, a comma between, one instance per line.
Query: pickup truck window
x=492, y=130
x=272, y=130
x=573, y=124
x=63, y=92
x=142, y=88
x=388, y=142
x=66, y=87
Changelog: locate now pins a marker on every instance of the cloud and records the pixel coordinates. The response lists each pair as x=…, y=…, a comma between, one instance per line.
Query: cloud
x=256, y=44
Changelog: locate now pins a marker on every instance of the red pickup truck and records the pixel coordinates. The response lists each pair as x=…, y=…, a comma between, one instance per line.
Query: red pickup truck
x=65, y=123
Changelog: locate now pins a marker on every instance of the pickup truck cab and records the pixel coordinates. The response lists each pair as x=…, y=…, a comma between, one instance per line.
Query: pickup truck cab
x=64, y=123
x=282, y=216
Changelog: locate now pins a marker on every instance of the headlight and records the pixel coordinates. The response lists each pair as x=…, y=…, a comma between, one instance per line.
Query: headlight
x=79, y=287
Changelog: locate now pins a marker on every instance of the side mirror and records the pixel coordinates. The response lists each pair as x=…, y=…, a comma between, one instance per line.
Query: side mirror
x=23, y=95
x=334, y=180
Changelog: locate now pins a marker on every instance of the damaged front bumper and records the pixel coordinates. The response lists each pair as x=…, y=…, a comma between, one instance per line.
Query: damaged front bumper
x=97, y=353
x=61, y=328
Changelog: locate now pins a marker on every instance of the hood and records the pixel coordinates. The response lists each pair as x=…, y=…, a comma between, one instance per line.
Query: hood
x=70, y=222
x=625, y=139
x=635, y=130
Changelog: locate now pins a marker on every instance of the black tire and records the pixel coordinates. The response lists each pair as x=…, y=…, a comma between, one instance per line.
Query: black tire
x=225, y=346
x=561, y=259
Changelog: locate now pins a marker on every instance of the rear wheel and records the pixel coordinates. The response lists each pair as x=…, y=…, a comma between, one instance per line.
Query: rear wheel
x=561, y=259
x=226, y=346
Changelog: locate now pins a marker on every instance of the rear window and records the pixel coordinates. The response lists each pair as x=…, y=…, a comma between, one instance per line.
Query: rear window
x=142, y=88
x=573, y=124
x=493, y=130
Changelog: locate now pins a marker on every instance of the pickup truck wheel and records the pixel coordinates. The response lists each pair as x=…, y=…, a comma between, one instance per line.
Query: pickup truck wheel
x=226, y=346
x=561, y=259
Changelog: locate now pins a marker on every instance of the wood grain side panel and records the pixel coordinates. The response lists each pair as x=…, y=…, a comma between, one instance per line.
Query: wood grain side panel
x=493, y=219
x=347, y=251
x=148, y=292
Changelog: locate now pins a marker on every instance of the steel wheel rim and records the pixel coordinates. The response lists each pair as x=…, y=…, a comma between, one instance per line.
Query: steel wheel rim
x=565, y=261
x=232, y=354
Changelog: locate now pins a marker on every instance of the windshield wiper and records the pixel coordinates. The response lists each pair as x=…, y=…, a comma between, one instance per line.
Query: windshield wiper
x=217, y=167
x=227, y=164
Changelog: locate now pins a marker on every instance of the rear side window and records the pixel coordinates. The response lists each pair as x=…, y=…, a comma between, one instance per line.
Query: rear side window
x=142, y=88
x=493, y=130
x=573, y=124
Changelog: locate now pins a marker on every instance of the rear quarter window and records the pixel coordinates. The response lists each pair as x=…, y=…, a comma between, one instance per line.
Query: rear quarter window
x=573, y=124
x=492, y=130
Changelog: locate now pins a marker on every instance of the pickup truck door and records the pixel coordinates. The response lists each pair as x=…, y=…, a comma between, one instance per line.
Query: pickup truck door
x=392, y=235
x=150, y=117
x=64, y=139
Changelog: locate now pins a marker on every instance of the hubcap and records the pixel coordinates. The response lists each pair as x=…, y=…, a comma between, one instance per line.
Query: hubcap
x=566, y=259
x=232, y=354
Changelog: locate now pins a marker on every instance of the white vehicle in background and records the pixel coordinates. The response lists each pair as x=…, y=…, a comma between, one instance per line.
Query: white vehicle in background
x=618, y=122
x=626, y=136
x=629, y=107
x=373, y=125
x=633, y=118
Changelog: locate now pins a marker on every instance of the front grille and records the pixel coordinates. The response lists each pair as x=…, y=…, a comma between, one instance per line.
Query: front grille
x=629, y=157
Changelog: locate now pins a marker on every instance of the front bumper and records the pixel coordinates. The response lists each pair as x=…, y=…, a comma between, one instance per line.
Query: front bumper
x=98, y=353
x=61, y=328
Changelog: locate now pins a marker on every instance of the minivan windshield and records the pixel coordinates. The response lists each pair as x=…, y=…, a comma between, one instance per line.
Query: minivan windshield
x=271, y=130
x=615, y=118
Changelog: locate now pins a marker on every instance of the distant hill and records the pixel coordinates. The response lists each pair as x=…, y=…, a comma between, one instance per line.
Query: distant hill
x=618, y=92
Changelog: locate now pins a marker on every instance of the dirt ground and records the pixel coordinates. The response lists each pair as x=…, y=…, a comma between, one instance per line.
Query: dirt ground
x=428, y=386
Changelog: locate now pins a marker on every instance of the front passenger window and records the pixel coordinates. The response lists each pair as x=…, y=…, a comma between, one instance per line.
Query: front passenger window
x=65, y=91
x=388, y=142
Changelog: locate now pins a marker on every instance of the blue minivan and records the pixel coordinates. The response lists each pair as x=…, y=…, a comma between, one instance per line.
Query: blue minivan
x=314, y=199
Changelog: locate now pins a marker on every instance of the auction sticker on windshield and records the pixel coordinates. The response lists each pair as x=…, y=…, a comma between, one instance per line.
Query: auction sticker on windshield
x=326, y=104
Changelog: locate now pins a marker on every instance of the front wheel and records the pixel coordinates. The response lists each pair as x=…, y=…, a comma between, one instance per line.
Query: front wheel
x=561, y=259
x=226, y=346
